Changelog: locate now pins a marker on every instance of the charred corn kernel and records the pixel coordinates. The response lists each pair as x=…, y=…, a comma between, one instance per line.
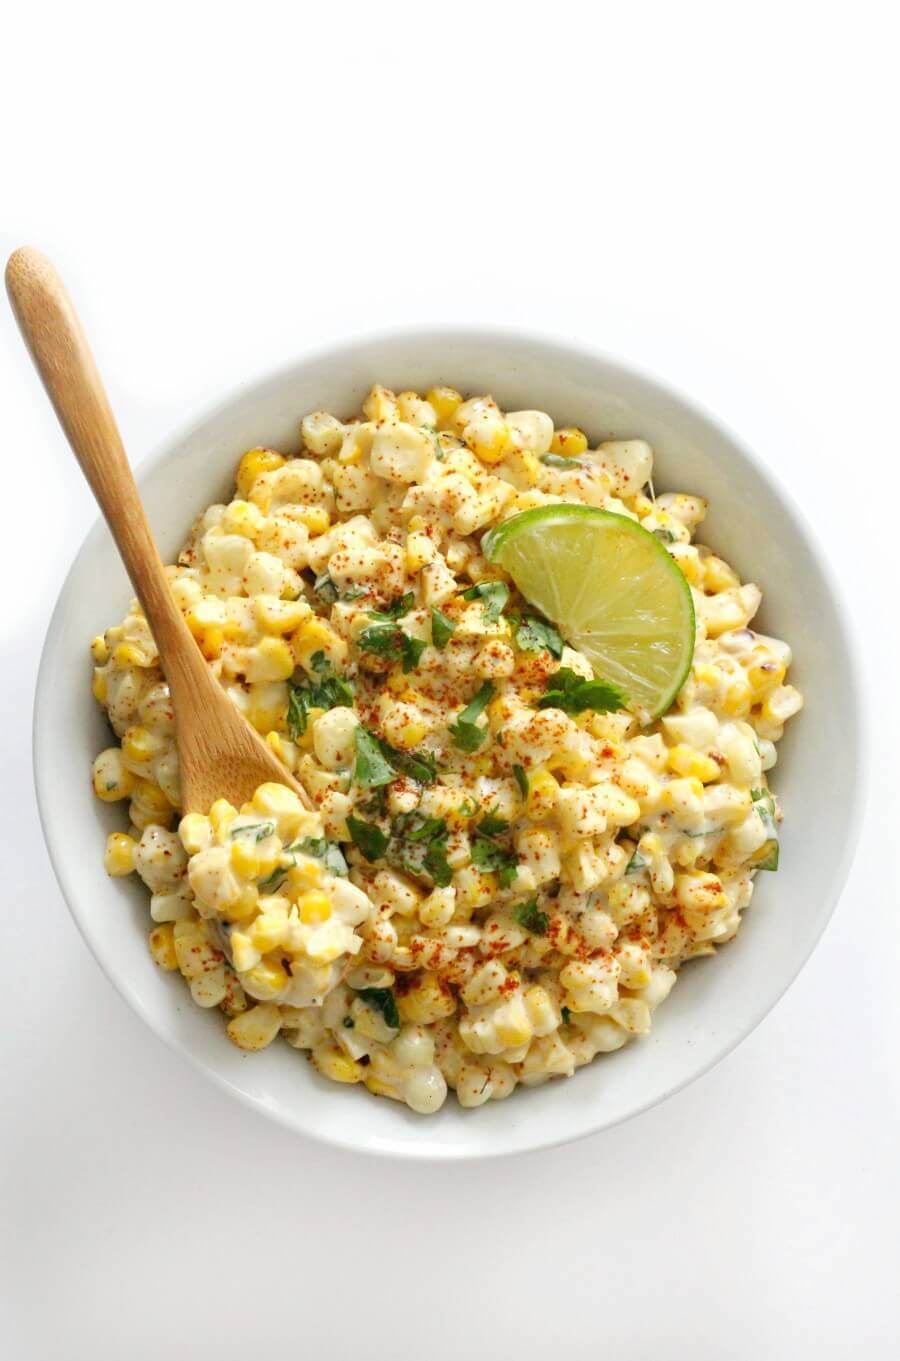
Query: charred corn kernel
x=380, y=405
x=99, y=650
x=140, y=745
x=420, y=549
x=717, y=575
x=244, y=518
x=162, y=946
x=129, y=654
x=221, y=816
x=195, y=831
x=99, y=686
x=315, y=518
x=112, y=778
x=568, y=442
x=254, y=462
x=488, y=437
x=333, y=1063
x=444, y=401
x=266, y=980
x=316, y=636
x=268, y=931
x=244, y=858
x=314, y=907
x=543, y=790
x=119, y=856
x=256, y=1028
x=685, y=761
x=764, y=677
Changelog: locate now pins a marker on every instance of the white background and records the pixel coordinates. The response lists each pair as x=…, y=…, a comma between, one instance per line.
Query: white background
x=706, y=189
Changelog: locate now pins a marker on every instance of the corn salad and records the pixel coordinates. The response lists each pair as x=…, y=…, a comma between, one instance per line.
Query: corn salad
x=489, y=892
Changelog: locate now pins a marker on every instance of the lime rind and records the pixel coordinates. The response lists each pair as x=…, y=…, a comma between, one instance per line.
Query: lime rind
x=611, y=588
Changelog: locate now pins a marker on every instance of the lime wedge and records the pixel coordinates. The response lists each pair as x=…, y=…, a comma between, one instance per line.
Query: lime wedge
x=611, y=589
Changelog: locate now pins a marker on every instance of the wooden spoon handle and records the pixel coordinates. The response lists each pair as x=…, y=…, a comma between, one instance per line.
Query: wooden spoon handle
x=57, y=344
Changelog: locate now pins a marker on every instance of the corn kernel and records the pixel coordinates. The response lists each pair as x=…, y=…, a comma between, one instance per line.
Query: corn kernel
x=254, y=462
x=737, y=700
x=256, y=1028
x=444, y=400
x=568, y=442
x=162, y=946
x=244, y=858
x=488, y=437
x=314, y=907
x=315, y=635
x=221, y=816
x=543, y=790
x=764, y=677
x=316, y=518
x=195, y=832
x=718, y=576
x=243, y=518
x=140, y=745
x=244, y=907
x=99, y=686
x=304, y=875
x=129, y=654
x=119, y=857
x=268, y=931
x=380, y=405
x=267, y=979
x=279, y=616
x=99, y=650
x=333, y=1063
x=112, y=779
x=420, y=549
x=685, y=761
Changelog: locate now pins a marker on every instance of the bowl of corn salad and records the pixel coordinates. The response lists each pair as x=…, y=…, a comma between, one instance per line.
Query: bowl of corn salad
x=506, y=867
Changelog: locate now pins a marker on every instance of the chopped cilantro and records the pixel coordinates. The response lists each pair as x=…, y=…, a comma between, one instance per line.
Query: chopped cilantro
x=259, y=830
x=306, y=694
x=383, y=1000
x=389, y=640
x=636, y=863
x=492, y=825
x=529, y=916
x=325, y=589
x=370, y=839
x=370, y=768
x=560, y=461
x=568, y=691
x=533, y=634
x=466, y=732
x=765, y=808
x=441, y=628
x=418, y=845
x=664, y=535
x=521, y=780
x=329, y=852
x=395, y=610
x=348, y=1023
x=566, y=1016
x=493, y=596
x=420, y=766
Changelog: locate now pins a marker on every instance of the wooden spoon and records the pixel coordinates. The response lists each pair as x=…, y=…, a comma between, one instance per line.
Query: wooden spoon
x=220, y=755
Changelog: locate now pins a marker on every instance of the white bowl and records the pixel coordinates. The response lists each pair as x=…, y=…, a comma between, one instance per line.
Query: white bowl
x=751, y=521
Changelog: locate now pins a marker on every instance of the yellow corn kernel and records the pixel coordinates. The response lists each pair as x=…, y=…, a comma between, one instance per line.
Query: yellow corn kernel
x=140, y=745
x=488, y=437
x=256, y=1028
x=129, y=654
x=705, y=673
x=396, y=682
x=718, y=576
x=513, y=1030
x=244, y=858
x=99, y=686
x=99, y=650
x=764, y=677
x=675, y=794
x=380, y=405
x=210, y=638
x=254, y=462
x=151, y=798
x=543, y=789
x=276, y=659
x=314, y=907
x=245, y=905
x=195, y=832
x=333, y=1063
x=526, y=465
x=244, y=518
x=221, y=816
x=315, y=635
x=410, y=735
x=162, y=946
x=268, y=931
x=378, y=1088
x=685, y=761
x=267, y=979
x=568, y=442
x=420, y=550
x=737, y=700
x=283, y=749
x=119, y=857
x=427, y=1000
x=444, y=401
x=316, y=518
x=279, y=616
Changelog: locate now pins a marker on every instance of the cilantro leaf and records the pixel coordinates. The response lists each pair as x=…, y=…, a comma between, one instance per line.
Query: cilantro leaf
x=370, y=839
x=493, y=596
x=560, y=461
x=664, y=535
x=489, y=854
x=420, y=766
x=492, y=825
x=441, y=628
x=570, y=692
x=418, y=845
x=466, y=732
x=636, y=863
x=389, y=640
x=529, y=916
x=765, y=808
x=257, y=831
x=329, y=852
x=383, y=1000
x=371, y=768
x=566, y=1015
x=306, y=694
x=521, y=780
x=392, y=612
x=325, y=589
x=533, y=635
